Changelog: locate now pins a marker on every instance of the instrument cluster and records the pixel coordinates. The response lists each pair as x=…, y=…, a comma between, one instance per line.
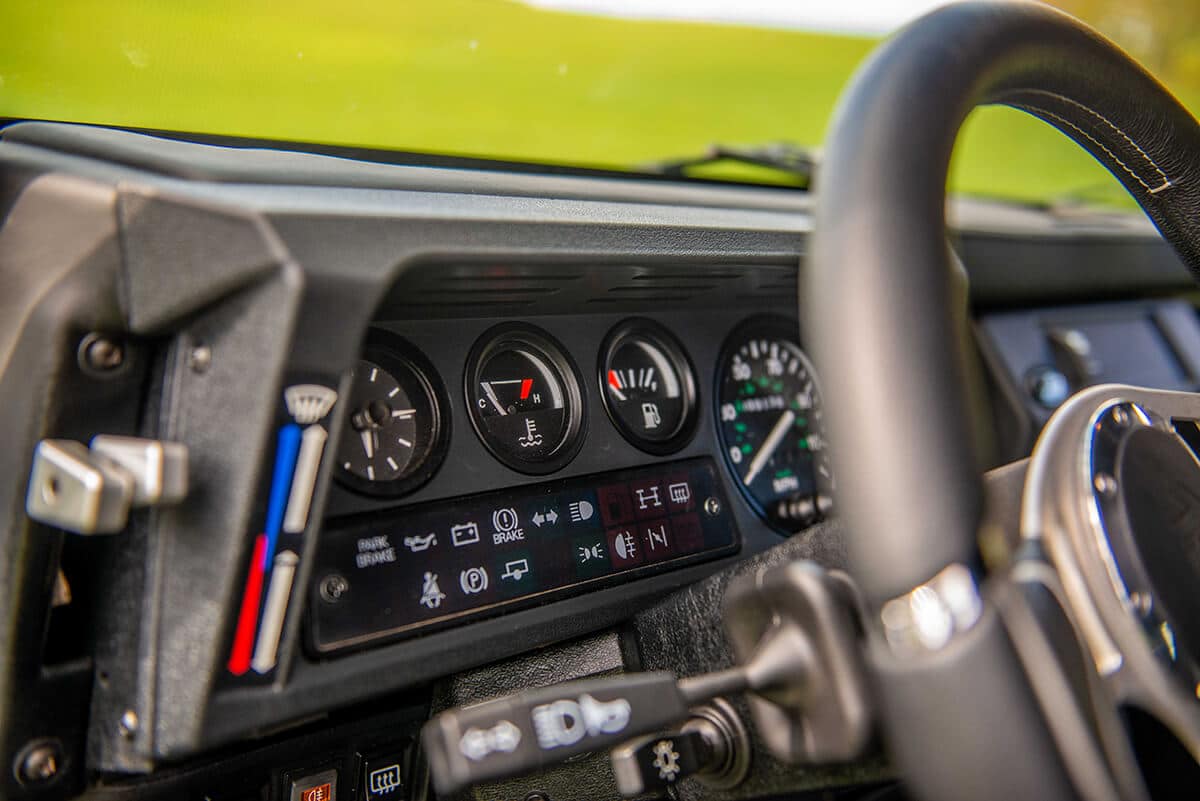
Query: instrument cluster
x=477, y=546
x=526, y=403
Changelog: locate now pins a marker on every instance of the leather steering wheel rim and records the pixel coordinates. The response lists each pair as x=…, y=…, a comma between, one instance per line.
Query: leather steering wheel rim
x=878, y=304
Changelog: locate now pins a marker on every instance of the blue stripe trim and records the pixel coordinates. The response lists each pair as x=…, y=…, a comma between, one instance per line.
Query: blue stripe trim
x=281, y=485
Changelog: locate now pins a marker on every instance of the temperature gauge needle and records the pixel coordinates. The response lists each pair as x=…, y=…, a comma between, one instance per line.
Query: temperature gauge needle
x=491, y=395
x=769, y=446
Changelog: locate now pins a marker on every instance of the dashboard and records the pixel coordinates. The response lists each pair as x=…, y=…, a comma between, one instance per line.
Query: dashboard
x=641, y=447
x=451, y=433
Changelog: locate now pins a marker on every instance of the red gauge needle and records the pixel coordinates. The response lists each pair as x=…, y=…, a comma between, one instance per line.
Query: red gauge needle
x=615, y=382
x=526, y=385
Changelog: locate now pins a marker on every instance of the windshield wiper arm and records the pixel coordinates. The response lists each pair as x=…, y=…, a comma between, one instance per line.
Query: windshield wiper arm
x=785, y=157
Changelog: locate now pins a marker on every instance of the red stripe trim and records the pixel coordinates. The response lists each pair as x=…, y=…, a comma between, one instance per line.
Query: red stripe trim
x=243, y=639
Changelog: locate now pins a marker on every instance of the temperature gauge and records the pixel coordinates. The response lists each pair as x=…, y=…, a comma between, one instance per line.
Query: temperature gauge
x=648, y=386
x=524, y=398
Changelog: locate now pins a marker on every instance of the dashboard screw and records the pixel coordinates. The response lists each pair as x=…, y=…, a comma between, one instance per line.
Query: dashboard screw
x=333, y=587
x=200, y=359
x=128, y=723
x=712, y=507
x=99, y=354
x=41, y=762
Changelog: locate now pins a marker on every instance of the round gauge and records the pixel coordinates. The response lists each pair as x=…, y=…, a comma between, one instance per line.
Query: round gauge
x=648, y=386
x=394, y=438
x=769, y=419
x=524, y=398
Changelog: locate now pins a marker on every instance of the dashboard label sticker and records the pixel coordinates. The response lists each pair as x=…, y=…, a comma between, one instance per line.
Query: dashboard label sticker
x=383, y=781
x=516, y=569
x=464, y=534
x=507, y=525
x=374, y=551
x=581, y=511
x=417, y=544
x=542, y=539
x=431, y=594
x=473, y=580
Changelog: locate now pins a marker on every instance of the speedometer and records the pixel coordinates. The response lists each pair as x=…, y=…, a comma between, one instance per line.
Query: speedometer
x=769, y=417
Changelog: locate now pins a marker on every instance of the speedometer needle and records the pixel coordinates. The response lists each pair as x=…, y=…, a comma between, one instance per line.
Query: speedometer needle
x=368, y=441
x=769, y=446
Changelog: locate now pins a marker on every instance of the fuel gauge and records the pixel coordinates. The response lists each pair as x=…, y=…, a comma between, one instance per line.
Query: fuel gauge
x=524, y=399
x=648, y=385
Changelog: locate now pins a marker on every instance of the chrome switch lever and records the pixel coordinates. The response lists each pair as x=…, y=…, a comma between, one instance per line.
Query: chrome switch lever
x=91, y=491
x=159, y=469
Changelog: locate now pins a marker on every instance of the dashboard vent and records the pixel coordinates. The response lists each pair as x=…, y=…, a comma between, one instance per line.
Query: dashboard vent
x=435, y=290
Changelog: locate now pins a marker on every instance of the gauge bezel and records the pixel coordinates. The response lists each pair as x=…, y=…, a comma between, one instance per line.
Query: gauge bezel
x=774, y=326
x=394, y=354
x=657, y=335
x=505, y=335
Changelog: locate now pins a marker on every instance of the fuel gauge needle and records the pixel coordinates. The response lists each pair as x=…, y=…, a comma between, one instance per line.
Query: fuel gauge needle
x=769, y=446
x=614, y=381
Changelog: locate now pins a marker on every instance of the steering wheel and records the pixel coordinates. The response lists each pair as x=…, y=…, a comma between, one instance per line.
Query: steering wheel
x=1028, y=673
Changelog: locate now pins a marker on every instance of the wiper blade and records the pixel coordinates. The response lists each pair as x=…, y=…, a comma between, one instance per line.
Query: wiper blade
x=796, y=161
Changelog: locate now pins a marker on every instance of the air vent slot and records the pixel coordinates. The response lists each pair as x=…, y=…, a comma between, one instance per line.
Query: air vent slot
x=464, y=290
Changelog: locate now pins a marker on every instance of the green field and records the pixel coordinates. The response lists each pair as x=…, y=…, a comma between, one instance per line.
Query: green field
x=473, y=77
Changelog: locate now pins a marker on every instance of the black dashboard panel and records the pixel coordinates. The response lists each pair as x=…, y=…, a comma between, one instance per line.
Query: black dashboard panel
x=276, y=265
x=433, y=308
x=394, y=575
x=698, y=305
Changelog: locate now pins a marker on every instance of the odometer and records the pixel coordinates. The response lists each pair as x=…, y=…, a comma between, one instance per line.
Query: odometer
x=769, y=417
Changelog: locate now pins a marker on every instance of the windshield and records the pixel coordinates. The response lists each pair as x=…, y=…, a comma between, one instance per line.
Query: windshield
x=571, y=82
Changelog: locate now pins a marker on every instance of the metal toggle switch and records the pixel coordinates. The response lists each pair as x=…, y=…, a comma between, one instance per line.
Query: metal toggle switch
x=91, y=491
x=159, y=469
